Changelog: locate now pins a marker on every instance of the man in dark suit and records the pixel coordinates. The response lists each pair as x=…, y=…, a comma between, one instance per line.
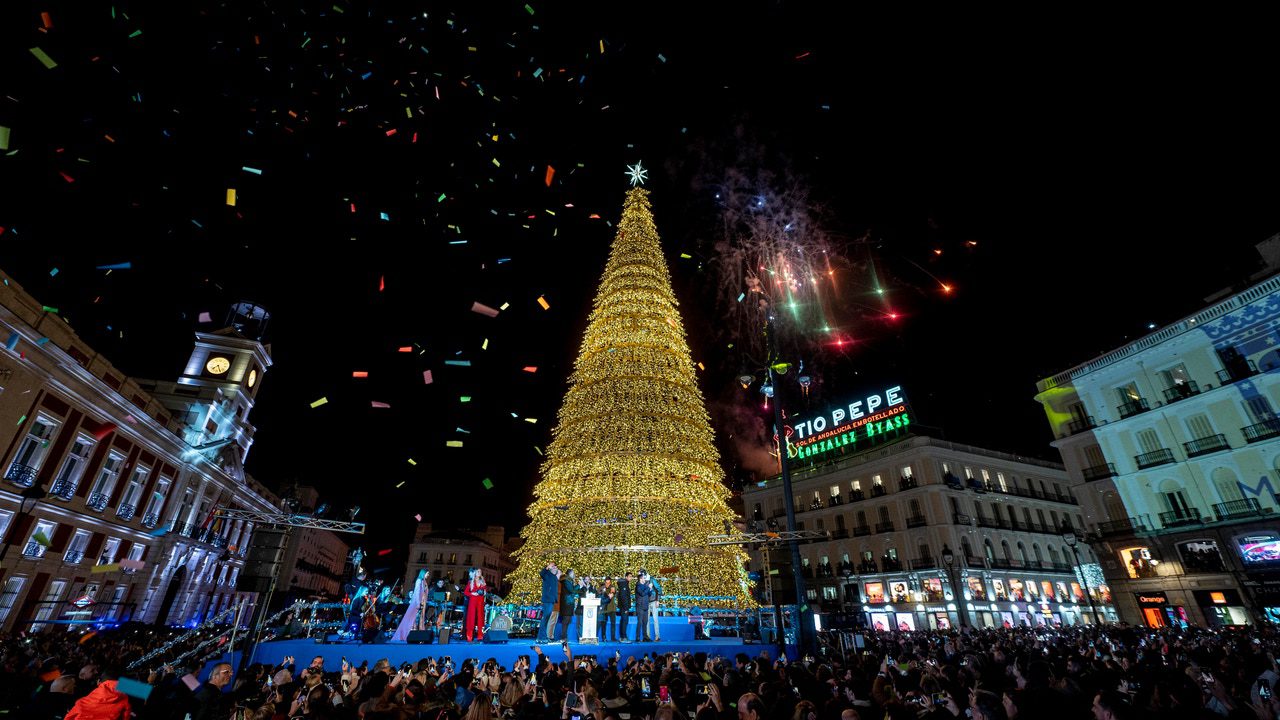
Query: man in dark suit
x=550, y=597
x=624, y=604
x=568, y=603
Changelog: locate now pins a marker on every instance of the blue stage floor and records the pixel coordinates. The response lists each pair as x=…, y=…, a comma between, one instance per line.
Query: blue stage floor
x=397, y=653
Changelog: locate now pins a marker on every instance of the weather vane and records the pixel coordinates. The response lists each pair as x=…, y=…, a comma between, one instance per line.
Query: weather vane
x=638, y=174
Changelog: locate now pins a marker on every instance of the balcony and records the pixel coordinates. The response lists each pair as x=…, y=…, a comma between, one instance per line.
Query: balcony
x=33, y=550
x=1206, y=445
x=834, y=500
x=1178, y=518
x=1079, y=425
x=1058, y=566
x=884, y=527
x=924, y=563
x=1180, y=391
x=63, y=489
x=1132, y=407
x=71, y=557
x=97, y=501
x=856, y=495
x=986, y=522
x=891, y=564
x=861, y=530
x=150, y=520
x=907, y=483
x=973, y=562
x=1163, y=456
x=1264, y=430
x=878, y=491
x=961, y=519
x=917, y=521
x=187, y=529
x=125, y=512
x=1236, y=509
x=21, y=475
x=1237, y=371
x=1125, y=526
x=868, y=567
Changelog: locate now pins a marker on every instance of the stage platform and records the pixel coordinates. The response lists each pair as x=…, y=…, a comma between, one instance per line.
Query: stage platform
x=397, y=653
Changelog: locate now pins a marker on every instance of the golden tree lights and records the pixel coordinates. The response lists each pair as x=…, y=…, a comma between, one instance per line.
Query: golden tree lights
x=632, y=478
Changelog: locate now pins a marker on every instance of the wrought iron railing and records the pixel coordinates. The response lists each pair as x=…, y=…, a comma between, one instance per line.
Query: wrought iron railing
x=1206, y=445
x=924, y=563
x=1181, y=390
x=1099, y=472
x=1129, y=408
x=125, y=512
x=21, y=475
x=916, y=521
x=861, y=530
x=884, y=527
x=64, y=489
x=33, y=550
x=71, y=557
x=907, y=483
x=1122, y=526
x=1232, y=509
x=1163, y=456
x=878, y=490
x=150, y=520
x=1079, y=425
x=1175, y=518
x=97, y=501
x=1264, y=430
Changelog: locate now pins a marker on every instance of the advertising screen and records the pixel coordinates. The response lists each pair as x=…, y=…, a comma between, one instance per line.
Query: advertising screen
x=1260, y=549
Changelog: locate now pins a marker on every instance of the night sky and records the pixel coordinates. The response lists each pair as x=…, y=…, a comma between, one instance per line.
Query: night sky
x=1080, y=183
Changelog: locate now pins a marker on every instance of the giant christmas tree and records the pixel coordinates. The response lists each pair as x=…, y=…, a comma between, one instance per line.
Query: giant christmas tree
x=632, y=478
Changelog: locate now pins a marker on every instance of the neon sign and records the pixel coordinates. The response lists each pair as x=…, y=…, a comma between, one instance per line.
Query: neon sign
x=877, y=415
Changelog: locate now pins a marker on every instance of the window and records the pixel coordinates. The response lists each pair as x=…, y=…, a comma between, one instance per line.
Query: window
x=1000, y=481
x=835, y=491
x=49, y=602
x=12, y=588
x=925, y=552
x=1175, y=376
x=440, y=557
x=136, y=551
x=156, y=502
x=468, y=559
x=968, y=473
x=68, y=478
x=5, y=517
x=75, y=551
x=453, y=558
x=907, y=472
x=106, y=481
x=38, y=543
x=1148, y=441
x=1040, y=514
x=891, y=553
x=986, y=477
x=914, y=508
x=876, y=481
x=134, y=489
x=1093, y=456
x=109, y=550
x=1138, y=562
x=857, y=485
x=1199, y=428
x=1128, y=393
x=34, y=445
x=1259, y=408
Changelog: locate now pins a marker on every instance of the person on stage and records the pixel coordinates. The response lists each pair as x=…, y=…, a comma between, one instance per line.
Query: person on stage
x=643, y=597
x=624, y=604
x=568, y=602
x=475, y=593
x=414, y=615
x=550, y=601
x=608, y=612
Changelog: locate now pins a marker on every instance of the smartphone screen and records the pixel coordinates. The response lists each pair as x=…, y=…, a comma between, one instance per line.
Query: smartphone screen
x=664, y=695
x=646, y=689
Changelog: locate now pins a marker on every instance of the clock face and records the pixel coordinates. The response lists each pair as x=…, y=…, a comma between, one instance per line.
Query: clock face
x=218, y=365
x=253, y=377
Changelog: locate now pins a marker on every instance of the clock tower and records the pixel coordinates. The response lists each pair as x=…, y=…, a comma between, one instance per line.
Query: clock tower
x=218, y=387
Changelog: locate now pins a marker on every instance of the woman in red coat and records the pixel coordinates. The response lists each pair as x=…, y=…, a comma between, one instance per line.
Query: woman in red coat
x=475, y=605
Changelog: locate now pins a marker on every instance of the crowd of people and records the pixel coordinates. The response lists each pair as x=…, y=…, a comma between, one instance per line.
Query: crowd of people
x=1105, y=673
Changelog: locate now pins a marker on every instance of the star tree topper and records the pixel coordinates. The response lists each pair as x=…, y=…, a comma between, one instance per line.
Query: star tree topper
x=638, y=174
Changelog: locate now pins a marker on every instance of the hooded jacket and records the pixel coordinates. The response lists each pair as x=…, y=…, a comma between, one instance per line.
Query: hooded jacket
x=104, y=703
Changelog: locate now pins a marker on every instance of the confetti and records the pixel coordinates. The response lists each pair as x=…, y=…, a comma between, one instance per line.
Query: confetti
x=48, y=309
x=477, y=307
x=133, y=688
x=488, y=484
x=377, y=404
x=453, y=443
x=206, y=317
x=117, y=266
x=40, y=538
x=12, y=342
x=551, y=172
x=412, y=461
x=359, y=374
x=44, y=58
x=530, y=368
x=318, y=403
x=528, y=8
x=4, y=138
x=47, y=20
x=248, y=169
x=231, y=197
x=104, y=431
x=426, y=377
x=113, y=567
x=128, y=564
x=543, y=302
x=404, y=348
x=418, y=517
x=53, y=272
x=458, y=363
x=465, y=399
x=384, y=552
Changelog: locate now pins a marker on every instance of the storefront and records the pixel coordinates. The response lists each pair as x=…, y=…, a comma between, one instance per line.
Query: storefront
x=1265, y=589
x=1222, y=608
x=1157, y=612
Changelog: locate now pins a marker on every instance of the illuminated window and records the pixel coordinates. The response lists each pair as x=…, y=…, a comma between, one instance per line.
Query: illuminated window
x=1000, y=481
x=1138, y=562
x=907, y=472
x=875, y=480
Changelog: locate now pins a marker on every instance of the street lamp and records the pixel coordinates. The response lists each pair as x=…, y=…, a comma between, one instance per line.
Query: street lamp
x=1071, y=539
x=949, y=559
x=33, y=494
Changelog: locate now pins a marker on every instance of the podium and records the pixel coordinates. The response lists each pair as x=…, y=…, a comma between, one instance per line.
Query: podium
x=590, y=606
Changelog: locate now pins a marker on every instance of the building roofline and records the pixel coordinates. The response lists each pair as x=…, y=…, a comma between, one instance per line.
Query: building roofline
x=1181, y=327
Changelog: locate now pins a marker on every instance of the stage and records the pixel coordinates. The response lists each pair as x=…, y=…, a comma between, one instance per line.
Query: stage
x=677, y=636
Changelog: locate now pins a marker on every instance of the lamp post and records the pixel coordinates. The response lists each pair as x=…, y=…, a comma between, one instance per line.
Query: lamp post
x=34, y=494
x=1071, y=539
x=949, y=560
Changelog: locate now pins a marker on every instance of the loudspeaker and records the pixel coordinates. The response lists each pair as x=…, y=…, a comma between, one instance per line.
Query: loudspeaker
x=262, y=560
x=421, y=637
x=782, y=582
x=445, y=632
x=496, y=637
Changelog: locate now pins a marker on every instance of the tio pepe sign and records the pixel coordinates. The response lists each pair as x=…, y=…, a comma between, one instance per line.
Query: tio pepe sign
x=835, y=428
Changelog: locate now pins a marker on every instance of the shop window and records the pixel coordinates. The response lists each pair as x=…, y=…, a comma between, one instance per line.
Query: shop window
x=1201, y=556
x=1138, y=562
x=932, y=590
